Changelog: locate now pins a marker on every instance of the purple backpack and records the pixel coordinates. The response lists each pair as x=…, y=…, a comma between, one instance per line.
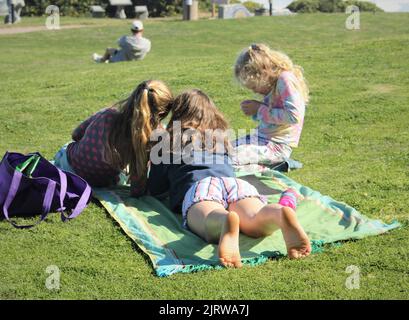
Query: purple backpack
x=29, y=184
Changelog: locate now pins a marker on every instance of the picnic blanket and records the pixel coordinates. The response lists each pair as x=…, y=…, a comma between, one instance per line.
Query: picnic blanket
x=159, y=233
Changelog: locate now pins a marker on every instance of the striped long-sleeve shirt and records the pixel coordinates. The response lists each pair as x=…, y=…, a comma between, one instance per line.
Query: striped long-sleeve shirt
x=281, y=117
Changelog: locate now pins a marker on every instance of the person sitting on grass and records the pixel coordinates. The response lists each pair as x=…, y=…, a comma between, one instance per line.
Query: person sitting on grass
x=133, y=47
x=201, y=184
x=116, y=139
x=280, y=115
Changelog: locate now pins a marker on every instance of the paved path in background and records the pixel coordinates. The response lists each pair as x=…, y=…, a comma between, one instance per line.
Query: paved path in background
x=14, y=30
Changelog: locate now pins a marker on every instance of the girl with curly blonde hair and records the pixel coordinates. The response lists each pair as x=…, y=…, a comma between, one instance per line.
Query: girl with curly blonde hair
x=280, y=115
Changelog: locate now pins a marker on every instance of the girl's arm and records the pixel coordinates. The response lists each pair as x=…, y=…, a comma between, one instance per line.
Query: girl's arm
x=158, y=182
x=138, y=186
x=293, y=105
x=122, y=41
x=79, y=132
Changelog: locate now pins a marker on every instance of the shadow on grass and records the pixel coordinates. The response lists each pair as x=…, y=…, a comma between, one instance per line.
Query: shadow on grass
x=134, y=246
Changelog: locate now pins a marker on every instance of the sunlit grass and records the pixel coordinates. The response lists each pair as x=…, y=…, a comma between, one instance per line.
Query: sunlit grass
x=354, y=147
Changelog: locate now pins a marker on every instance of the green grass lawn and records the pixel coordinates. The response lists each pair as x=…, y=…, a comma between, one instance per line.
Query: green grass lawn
x=354, y=148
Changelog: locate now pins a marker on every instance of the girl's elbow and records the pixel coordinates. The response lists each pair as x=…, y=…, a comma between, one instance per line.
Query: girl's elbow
x=138, y=192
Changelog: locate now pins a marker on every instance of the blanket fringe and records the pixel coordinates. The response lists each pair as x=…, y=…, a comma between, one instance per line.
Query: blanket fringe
x=165, y=271
x=317, y=246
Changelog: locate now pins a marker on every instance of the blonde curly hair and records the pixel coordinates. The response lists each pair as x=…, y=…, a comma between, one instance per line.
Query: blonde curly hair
x=259, y=66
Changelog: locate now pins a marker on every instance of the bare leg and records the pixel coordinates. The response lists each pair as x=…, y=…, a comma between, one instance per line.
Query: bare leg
x=213, y=223
x=259, y=220
x=296, y=240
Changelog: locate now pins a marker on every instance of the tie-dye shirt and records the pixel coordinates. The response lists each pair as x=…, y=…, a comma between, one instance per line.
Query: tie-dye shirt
x=281, y=116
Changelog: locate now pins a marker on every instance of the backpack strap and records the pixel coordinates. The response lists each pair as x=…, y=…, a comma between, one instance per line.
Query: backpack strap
x=15, y=184
x=82, y=202
x=63, y=192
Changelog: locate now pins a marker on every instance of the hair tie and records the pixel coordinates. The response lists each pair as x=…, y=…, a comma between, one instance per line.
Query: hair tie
x=146, y=87
x=254, y=47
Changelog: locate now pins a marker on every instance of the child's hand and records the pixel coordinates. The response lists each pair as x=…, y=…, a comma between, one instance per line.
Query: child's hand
x=250, y=107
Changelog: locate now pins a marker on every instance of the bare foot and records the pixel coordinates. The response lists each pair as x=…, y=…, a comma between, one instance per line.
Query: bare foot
x=296, y=240
x=229, y=253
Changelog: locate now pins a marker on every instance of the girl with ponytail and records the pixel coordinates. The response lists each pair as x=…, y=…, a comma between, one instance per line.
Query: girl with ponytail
x=280, y=115
x=116, y=139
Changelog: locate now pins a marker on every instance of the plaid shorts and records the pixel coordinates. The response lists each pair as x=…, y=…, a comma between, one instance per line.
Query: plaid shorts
x=221, y=190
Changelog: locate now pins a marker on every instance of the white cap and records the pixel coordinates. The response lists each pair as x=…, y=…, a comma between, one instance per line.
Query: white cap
x=137, y=25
